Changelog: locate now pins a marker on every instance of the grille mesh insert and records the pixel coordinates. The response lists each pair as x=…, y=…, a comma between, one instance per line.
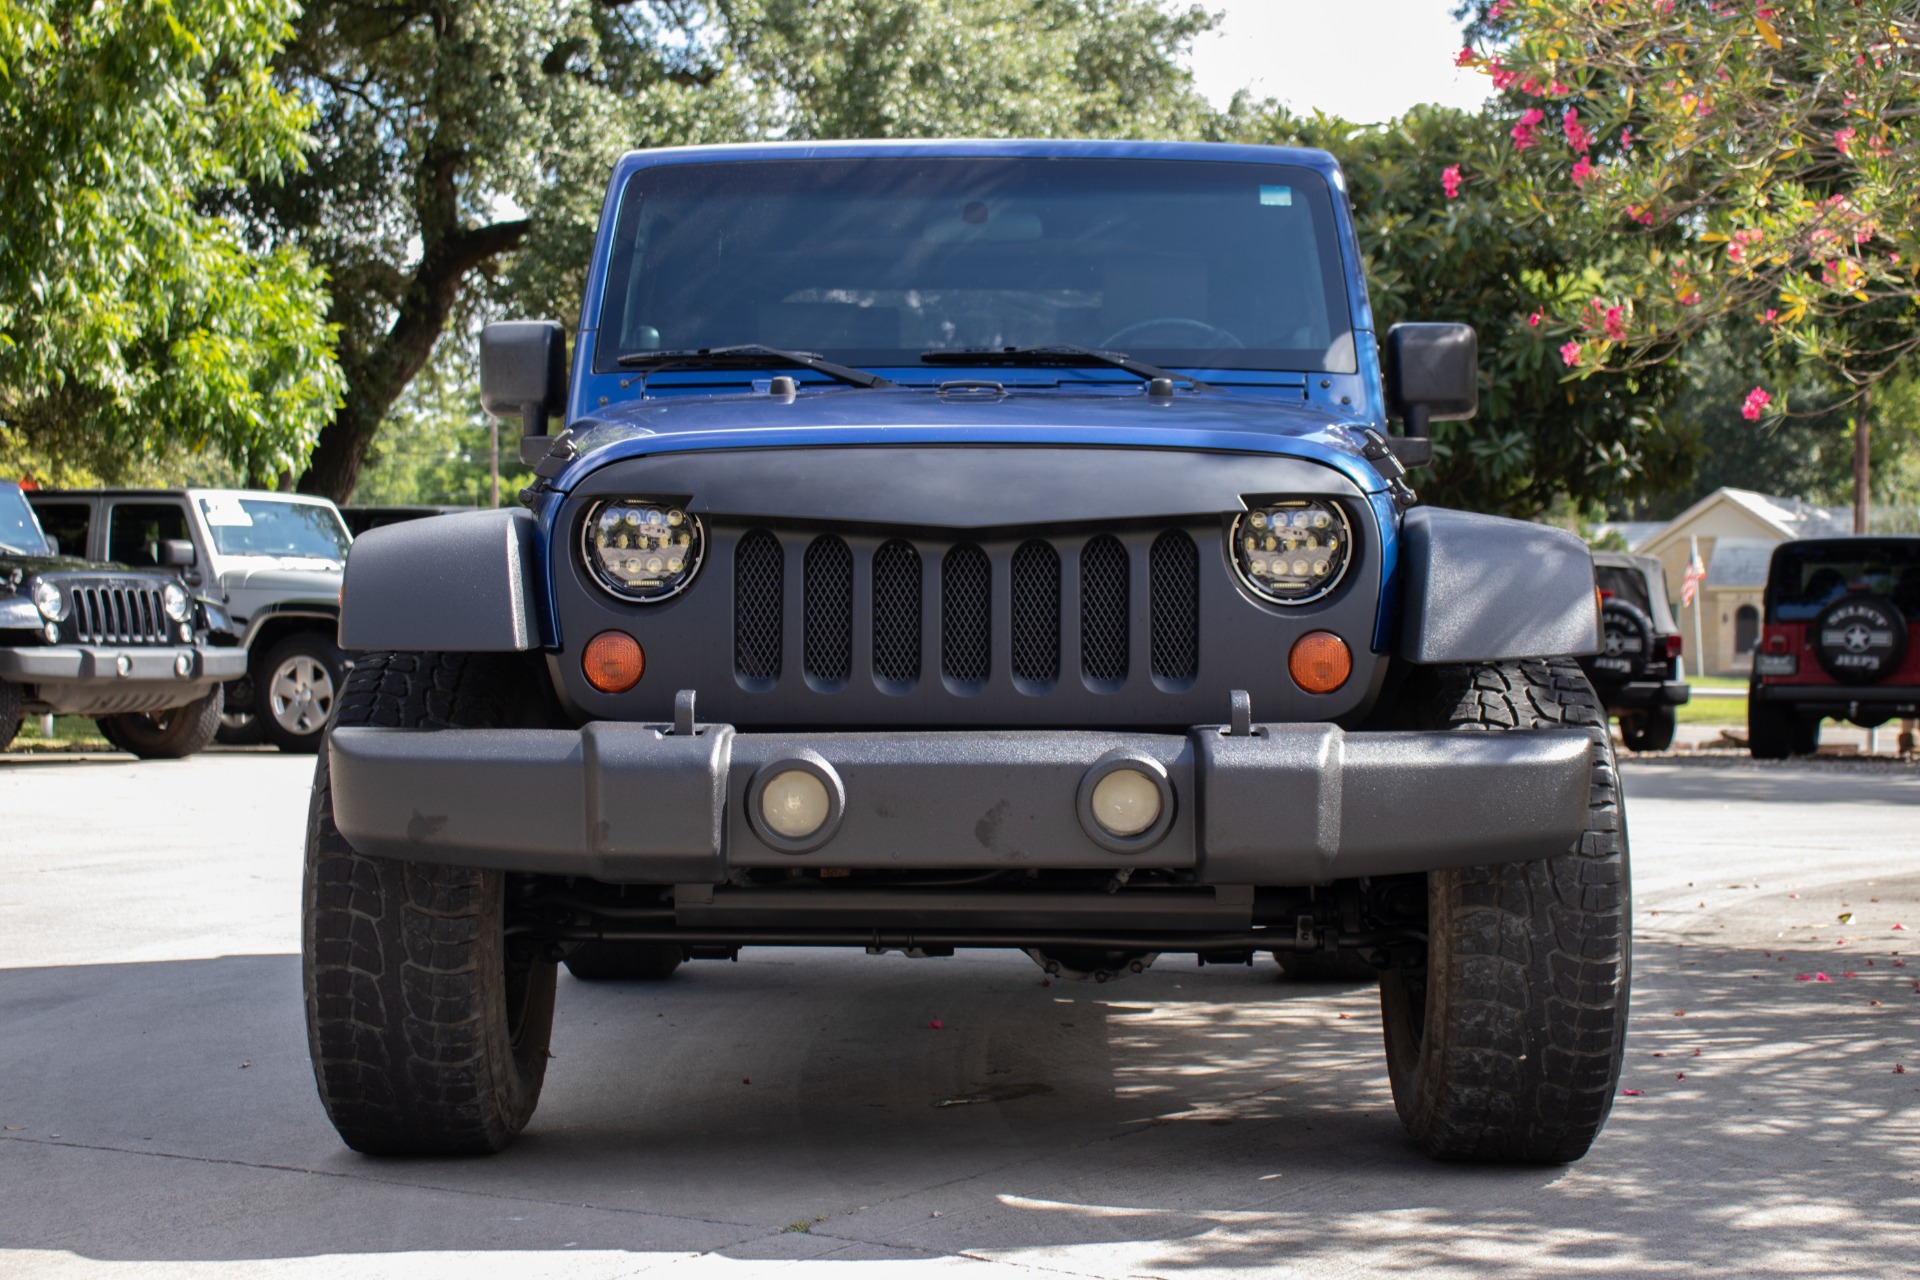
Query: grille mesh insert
x=1173, y=574
x=828, y=597
x=1103, y=610
x=1036, y=613
x=896, y=612
x=966, y=612
x=758, y=565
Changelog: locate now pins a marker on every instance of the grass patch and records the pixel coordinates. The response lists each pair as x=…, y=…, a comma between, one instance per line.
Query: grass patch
x=70, y=733
x=1712, y=711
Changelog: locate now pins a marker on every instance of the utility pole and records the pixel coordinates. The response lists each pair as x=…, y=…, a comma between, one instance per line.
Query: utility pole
x=1862, y=462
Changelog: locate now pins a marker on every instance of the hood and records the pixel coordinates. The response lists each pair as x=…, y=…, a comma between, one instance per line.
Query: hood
x=31, y=565
x=1216, y=420
x=319, y=583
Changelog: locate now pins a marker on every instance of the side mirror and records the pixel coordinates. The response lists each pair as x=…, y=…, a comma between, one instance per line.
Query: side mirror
x=523, y=376
x=1432, y=372
x=177, y=553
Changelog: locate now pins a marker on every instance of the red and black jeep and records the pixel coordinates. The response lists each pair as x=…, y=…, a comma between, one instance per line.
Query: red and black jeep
x=1839, y=641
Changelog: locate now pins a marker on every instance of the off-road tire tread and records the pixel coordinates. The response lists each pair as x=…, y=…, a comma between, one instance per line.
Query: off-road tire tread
x=1529, y=963
x=402, y=961
x=190, y=732
x=11, y=713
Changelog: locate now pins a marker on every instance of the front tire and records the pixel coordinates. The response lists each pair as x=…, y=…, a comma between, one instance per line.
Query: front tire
x=428, y=1030
x=173, y=734
x=1506, y=1043
x=1648, y=730
x=295, y=686
x=11, y=714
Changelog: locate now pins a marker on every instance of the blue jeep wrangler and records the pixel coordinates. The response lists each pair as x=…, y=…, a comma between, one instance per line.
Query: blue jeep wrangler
x=985, y=544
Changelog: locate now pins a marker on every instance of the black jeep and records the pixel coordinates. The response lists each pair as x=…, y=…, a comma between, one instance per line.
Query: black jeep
x=125, y=646
x=1638, y=675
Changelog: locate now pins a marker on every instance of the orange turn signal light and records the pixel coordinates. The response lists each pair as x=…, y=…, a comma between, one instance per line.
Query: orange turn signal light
x=613, y=662
x=1320, y=662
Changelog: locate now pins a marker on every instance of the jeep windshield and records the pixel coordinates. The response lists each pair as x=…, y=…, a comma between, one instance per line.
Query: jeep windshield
x=19, y=529
x=1805, y=580
x=871, y=262
x=309, y=533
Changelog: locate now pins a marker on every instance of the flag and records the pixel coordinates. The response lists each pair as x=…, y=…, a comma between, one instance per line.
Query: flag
x=1696, y=573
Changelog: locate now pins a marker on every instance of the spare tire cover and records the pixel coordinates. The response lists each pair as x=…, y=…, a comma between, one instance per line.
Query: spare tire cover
x=1629, y=638
x=1860, y=639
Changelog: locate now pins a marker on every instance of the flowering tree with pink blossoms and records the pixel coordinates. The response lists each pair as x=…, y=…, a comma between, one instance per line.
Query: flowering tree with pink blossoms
x=1760, y=160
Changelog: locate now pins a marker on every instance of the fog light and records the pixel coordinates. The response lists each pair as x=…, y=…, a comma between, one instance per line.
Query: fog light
x=1320, y=662
x=186, y=633
x=51, y=632
x=1126, y=802
x=795, y=804
x=123, y=664
x=183, y=665
x=613, y=662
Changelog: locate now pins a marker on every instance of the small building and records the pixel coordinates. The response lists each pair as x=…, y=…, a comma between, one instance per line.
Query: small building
x=1736, y=531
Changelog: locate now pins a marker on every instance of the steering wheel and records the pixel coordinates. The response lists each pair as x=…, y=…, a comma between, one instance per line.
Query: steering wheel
x=1217, y=337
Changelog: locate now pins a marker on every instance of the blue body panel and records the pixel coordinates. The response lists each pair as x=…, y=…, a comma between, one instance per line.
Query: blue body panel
x=1316, y=416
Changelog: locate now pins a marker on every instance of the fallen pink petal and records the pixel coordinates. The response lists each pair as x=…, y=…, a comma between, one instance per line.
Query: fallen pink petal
x=935, y=1024
x=1630, y=1093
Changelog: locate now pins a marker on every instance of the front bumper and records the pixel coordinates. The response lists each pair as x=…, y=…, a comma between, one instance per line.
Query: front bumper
x=1288, y=804
x=1644, y=693
x=100, y=679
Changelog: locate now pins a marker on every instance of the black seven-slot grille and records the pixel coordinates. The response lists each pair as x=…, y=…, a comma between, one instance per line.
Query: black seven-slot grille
x=109, y=613
x=896, y=583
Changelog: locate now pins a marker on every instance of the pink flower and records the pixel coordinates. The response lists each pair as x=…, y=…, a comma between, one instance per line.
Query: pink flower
x=1843, y=141
x=1577, y=136
x=1450, y=181
x=1570, y=354
x=1626, y=138
x=1524, y=131
x=1756, y=403
x=1465, y=58
x=1533, y=321
x=1582, y=170
x=1737, y=252
x=1503, y=79
x=1497, y=9
x=1616, y=325
x=1689, y=298
x=1770, y=317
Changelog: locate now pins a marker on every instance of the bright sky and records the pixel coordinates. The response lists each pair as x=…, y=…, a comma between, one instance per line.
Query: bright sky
x=1363, y=60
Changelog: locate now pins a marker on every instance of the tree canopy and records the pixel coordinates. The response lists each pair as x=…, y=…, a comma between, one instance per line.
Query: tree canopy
x=1759, y=160
x=134, y=323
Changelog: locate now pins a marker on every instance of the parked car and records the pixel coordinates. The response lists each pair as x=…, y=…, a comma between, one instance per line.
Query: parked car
x=1637, y=674
x=273, y=560
x=1840, y=638
x=129, y=648
x=361, y=518
x=1068, y=594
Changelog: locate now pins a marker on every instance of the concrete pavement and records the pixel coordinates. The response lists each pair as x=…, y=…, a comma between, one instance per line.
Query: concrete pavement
x=794, y=1112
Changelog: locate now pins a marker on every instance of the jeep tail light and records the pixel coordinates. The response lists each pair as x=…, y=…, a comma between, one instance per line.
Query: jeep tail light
x=1674, y=646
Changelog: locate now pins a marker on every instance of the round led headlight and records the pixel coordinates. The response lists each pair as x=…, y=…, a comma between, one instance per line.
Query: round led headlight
x=1292, y=551
x=49, y=601
x=174, y=599
x=640, y=549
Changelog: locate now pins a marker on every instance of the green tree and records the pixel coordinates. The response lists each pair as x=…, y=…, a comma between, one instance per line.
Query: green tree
x=465, y=145
x=436, y=447
x=134, y=324
x=1759, y=160
x=1430, y=194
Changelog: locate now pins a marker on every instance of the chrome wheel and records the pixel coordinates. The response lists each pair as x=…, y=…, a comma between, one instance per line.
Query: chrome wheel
x=300, y=694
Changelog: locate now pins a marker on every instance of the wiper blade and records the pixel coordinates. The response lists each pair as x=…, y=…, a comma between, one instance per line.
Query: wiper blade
x=748, y=356
x=1061, y=353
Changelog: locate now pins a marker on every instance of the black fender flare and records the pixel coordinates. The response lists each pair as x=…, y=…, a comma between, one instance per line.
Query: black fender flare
x=1477, y=588
x=464, y=583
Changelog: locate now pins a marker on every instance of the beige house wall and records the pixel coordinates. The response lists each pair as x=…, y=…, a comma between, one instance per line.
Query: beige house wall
x=1724, y=519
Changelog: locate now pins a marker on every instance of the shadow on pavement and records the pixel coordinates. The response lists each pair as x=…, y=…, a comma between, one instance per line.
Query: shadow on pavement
x=1186, y=1122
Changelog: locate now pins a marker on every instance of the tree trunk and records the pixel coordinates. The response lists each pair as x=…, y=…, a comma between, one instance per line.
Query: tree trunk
x=376, y=376
x=1862, y=464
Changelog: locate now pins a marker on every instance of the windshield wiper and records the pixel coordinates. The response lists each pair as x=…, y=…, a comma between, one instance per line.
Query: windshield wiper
x=748, y=356
x=1061, y=353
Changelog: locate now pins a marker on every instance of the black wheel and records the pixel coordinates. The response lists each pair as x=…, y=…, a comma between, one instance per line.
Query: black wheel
x=11, y=714
x=624, y=961
x=428, y=1031
x=1506, y=1043
x=173, y=734
x=1325, y=966
x=1776, y=732
x=1648, y=730
x=239, y=727
x=295, y=685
